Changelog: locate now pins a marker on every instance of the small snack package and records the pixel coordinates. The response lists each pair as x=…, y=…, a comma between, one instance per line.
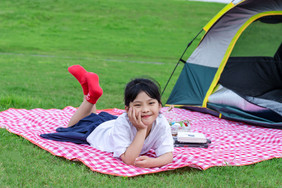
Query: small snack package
x=176, y=125
x=180, y=126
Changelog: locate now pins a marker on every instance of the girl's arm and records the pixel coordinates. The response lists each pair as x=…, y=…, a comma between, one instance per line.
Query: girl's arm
x=148, y=162
x=163, y=159
x=134, y=149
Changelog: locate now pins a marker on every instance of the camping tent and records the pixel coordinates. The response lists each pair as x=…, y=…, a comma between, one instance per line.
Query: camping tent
x=235, y=72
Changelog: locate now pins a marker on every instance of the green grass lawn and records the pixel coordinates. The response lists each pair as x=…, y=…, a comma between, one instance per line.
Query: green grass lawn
x=118, y=40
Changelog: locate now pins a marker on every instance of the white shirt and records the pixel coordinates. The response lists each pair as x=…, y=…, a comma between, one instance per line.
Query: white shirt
x=116, y=135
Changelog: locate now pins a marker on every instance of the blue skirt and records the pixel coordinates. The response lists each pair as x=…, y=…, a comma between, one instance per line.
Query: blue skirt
x=80, y=131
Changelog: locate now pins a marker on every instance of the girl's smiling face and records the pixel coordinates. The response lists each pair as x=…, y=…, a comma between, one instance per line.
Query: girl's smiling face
x=147, y=106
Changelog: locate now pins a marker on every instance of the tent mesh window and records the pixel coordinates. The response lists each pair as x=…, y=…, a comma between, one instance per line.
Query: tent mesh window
x=254, y=69
x=255, y=65
x=261, y=38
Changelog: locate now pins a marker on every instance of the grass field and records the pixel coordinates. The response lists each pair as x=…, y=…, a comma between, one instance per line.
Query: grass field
x=118, y=40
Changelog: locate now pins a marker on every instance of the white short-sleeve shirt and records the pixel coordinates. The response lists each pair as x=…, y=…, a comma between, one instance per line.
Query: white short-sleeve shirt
x=116, y=135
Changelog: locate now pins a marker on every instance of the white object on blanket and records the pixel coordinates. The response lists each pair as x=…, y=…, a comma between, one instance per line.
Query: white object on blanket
x=191, y=137
x=182, y=126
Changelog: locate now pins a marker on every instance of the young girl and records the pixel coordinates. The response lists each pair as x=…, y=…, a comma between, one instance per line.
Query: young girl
x=128, y=136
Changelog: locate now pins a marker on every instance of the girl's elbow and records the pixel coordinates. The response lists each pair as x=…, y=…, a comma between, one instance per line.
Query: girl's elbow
x=127, y=160
x=170, y=157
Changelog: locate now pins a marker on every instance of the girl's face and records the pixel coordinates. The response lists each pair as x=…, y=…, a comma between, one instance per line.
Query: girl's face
x=147, y=106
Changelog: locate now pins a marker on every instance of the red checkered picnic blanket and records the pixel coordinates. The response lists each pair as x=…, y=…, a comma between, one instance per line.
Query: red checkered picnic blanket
x=233, y=143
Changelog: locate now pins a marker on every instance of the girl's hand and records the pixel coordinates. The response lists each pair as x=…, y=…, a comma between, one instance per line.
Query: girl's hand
x=135, y=119
x=143, y=162
x=148, y=162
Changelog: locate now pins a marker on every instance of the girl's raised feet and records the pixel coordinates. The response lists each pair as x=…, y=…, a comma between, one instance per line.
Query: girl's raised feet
x=95, y=91
x=80, y=74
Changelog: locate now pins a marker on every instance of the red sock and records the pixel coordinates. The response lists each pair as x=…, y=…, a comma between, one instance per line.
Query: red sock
x=79, y=73
x=95, y=91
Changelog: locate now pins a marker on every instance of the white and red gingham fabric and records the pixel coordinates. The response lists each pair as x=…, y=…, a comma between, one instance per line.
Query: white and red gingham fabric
x=233, y=143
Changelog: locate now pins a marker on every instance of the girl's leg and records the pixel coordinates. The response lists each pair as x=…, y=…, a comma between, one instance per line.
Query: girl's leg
x=85, y=109
x=90, y=83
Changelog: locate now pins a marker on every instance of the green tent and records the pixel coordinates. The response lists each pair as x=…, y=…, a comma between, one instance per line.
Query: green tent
x=235, y=72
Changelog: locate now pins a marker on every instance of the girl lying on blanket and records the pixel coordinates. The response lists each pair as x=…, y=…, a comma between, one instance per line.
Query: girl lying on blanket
x=128, y=136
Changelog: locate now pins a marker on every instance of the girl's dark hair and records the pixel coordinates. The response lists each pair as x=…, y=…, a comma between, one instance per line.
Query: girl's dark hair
x=135, y=86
